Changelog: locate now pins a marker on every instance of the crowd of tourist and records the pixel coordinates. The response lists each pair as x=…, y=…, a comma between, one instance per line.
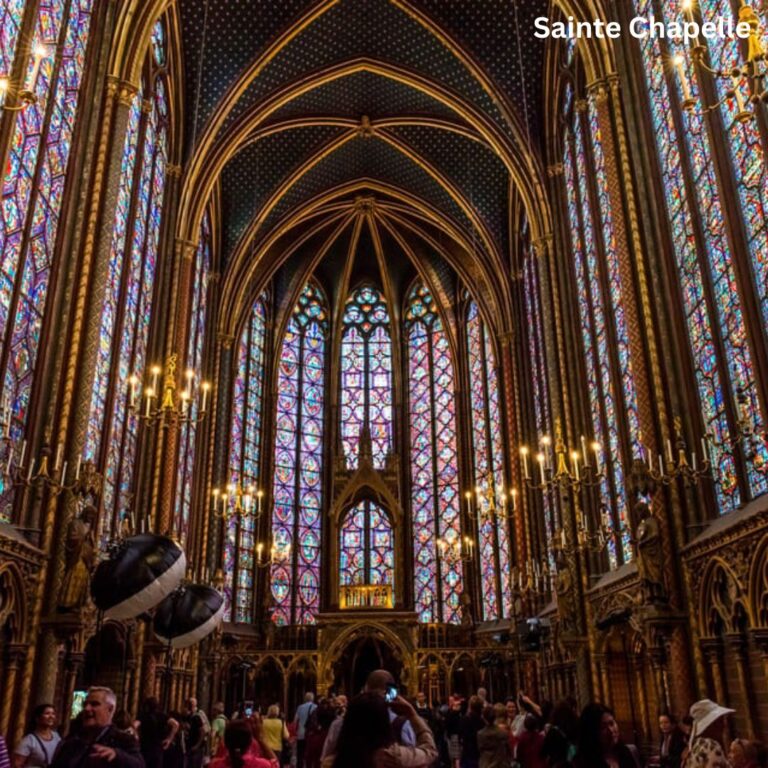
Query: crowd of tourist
x=378, y=728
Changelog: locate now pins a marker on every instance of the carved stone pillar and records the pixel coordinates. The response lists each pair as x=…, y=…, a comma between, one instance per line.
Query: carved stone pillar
x=603, y=691
x=184, y=253
x=73, y=663
x=712, y=648
x=761, y=641
x=738, y=648
x=86, y=316
x=658, y=658
x=15, y=656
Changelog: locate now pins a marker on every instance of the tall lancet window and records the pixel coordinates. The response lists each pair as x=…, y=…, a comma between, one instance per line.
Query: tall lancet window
x=712, y=298
x=488, y=470
x=298, y=484
x=604, y=332
x=125, y=316
x=366, y=376
x=244, y=454
x=435, y=498
x=366, y=547
x=185, y=477
x=35, y=180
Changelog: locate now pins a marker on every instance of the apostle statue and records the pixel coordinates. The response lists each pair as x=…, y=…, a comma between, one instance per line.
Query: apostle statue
x=80, y=559
x=650, y=557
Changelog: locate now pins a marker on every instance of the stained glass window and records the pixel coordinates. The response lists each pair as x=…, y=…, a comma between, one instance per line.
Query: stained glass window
x=194, y=364
x=366, y=547
x=366, y=376
x=604, y=332
x=716, y=328
x=435, y=498
x=11, y=16
x=298, y=483
x=539, y=380
x=34, y=182
x=125, y=318
x=244, y=453
x=746, y=150
x=494, y=544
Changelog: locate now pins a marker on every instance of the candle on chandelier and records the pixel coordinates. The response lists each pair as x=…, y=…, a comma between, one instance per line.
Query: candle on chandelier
x=546, y=441
x=541, y=459
x=77, y=468
x=575, y=463
x=39, y=53
x=206, y=387
x=155, y=371
x=133, y=383
x=598, y=460
x=524, y=454
x=23, y=452
x=679, y=62
x=584, y=450
x=259, y=497
x=59, y=451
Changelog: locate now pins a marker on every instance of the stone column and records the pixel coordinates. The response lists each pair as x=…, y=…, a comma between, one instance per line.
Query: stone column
x=737, y=646
x=15, y=656
x=88, y=301
x=184, y=254
x=712, y=649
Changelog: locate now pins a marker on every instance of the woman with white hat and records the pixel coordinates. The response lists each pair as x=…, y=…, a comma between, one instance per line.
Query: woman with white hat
x=706, y=744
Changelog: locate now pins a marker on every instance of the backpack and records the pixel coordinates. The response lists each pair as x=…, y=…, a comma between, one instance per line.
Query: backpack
x=206, y=724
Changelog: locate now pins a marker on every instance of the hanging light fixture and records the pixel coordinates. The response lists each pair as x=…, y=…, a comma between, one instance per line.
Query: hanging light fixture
x=749, y=75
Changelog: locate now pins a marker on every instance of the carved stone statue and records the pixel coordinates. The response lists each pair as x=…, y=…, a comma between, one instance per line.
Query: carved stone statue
x=650, y=557
x=467, y=622
x=564, y=588
x=80, y=559
x=126, y=527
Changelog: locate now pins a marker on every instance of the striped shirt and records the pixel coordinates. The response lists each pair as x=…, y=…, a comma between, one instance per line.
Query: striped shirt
x=5, y=760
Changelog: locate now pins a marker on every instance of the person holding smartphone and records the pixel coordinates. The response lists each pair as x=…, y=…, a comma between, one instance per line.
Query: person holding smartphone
x=381, y=683
x=368, y=739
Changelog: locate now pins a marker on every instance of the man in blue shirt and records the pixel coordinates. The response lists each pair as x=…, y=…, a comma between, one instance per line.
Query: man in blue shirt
x=301, y=719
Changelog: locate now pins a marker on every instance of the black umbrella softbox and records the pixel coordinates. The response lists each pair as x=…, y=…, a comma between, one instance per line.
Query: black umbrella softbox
x=138, y=574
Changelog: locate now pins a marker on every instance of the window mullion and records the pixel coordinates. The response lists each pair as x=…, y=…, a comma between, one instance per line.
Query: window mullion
x=297, y=476
x=125, y=270
x=433, y=456
x=491, y=467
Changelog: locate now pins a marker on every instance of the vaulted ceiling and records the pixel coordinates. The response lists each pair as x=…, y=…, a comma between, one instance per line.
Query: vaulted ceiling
x=425, y=104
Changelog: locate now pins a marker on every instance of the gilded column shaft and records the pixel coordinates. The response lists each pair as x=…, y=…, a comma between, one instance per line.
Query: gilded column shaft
x=645, y=359
x=82, y=358
x=184, y=256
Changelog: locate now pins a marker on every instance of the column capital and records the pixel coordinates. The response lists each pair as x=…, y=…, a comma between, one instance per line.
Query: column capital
x=599, y=90
x=185, y=248
x=124, y=90
x=557, y=169
x=542, y=246
x=226, y=340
